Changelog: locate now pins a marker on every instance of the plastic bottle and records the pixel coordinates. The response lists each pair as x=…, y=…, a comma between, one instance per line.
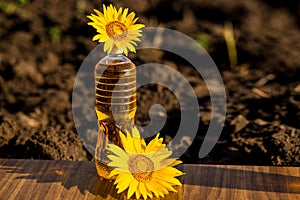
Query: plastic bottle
x=115, y=104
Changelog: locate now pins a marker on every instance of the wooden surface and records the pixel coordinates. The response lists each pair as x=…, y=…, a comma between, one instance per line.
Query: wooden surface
x=37, y=179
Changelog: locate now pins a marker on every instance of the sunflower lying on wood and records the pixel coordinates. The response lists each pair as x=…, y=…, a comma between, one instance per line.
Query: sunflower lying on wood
x=143, y=169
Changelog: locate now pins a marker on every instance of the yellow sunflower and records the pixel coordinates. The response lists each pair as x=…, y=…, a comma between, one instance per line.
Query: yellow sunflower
x=143, y=169
x=116, y=28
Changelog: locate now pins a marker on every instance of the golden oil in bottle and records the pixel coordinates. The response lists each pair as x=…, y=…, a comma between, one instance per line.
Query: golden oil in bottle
x=115, y=104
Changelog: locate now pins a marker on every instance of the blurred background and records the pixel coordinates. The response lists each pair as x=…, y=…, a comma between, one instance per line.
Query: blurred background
x=254, y=43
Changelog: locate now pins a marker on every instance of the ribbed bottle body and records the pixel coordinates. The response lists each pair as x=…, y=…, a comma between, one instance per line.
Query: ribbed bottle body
x=115, y=104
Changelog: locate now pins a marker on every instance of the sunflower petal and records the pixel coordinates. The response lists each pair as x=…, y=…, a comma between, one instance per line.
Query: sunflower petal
x=124, y=186
x=132, y=188
x=143, y=190
x=136, y=132
x=127, y=143
x=170, y=171
x=177, y=162
x=154, y=144
x=114, y=172
x=138, y=192
x=125, y=12
x=117, y=151
x=157, y=189
x=167, y=185
x=171, y=180
x=124, y=177
x=96, y=37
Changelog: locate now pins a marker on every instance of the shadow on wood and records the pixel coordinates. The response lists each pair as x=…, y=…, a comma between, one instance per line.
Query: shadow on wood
x=79, y=179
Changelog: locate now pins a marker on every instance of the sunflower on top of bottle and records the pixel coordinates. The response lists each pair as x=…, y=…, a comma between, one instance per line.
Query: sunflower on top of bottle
x=145, y=170
x=116, y=28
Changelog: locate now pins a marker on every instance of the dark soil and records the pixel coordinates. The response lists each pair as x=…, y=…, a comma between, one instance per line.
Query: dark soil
x=43, y=44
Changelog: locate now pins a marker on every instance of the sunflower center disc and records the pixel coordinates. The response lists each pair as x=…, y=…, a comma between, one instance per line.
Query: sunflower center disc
x=116, y=30
x=141, y=167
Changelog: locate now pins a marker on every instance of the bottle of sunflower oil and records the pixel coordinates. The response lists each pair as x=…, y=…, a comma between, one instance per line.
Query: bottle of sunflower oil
x=115, y=104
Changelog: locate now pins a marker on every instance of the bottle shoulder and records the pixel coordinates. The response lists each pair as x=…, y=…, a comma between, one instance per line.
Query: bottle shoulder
x=114, y=58
x=115, y=62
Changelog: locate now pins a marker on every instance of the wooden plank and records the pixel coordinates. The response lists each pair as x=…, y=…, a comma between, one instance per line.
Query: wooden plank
x=44, y=179
x=241, y=182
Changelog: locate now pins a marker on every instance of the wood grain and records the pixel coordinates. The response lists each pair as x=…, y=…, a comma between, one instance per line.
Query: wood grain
x=241, y=182
x=44, y=179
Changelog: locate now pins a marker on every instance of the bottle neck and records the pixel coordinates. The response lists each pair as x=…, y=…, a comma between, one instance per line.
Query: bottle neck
x=116, y=55
x=116, y=51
